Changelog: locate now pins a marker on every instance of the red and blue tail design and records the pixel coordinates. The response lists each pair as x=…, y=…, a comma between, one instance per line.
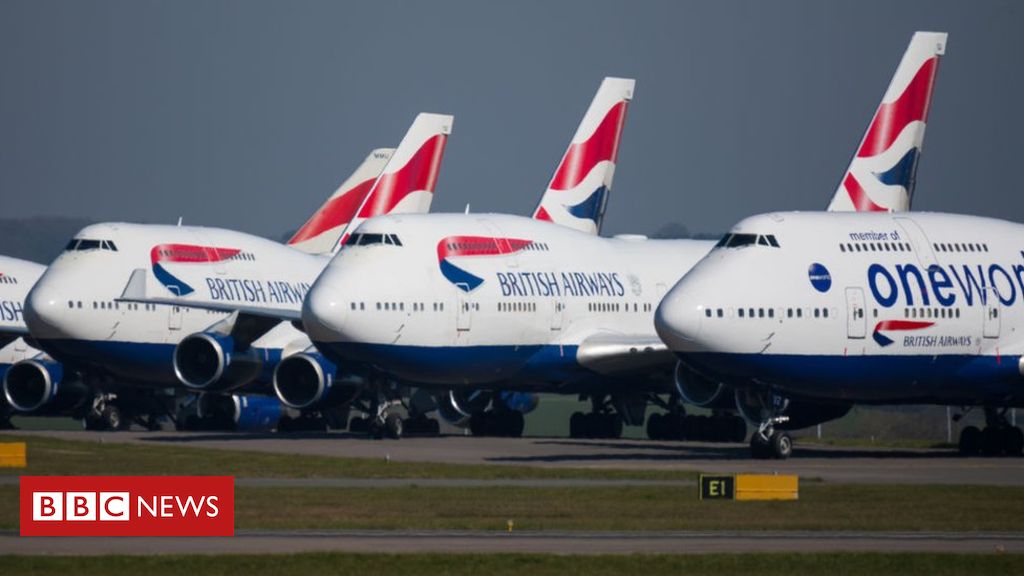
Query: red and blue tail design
x=882, y=174
x=407, y=183
x=896, y=325
x=321, y=232
x=467, y=246
x=578, y=192
x=184, y=253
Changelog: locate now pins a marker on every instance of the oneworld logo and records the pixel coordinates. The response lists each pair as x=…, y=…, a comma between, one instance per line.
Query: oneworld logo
x=819, y=277
x=127, y=505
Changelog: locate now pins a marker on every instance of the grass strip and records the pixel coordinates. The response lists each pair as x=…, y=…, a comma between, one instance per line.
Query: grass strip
x=840, y=564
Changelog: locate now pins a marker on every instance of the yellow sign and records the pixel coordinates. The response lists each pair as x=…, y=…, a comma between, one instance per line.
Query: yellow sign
x=767, y=487
x=12, y=455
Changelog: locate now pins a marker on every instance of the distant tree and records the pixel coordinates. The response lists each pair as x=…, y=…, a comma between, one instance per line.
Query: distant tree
x=676, y=230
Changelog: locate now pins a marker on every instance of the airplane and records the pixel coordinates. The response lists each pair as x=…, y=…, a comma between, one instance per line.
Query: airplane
x=16, y=278
x=126, y=350
x=575, y=197
x=796, y=317
x=881, y=176
x=485, y=305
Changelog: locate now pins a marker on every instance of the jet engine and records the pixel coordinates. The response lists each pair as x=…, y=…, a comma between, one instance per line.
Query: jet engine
x=38, y=386
x=457, y=406
x=208, y=362
x=309, y=380
x=246, y=413
x=699, y=390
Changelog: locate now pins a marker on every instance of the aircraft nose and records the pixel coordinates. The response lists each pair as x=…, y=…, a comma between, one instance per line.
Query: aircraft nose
x=45, y=312
x=323, y=312
x=678, y=320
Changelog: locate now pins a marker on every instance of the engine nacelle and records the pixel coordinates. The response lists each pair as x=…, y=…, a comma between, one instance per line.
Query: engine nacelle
x=699, y=390
x=457, y=406
x=247, y=413
x=38, y=386
x=757, y=406
x=208, y=362
x=308, y=380
x=522, y=402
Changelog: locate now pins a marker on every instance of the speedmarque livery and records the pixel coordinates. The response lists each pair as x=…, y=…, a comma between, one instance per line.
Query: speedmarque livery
x=838, y=309
x=124, y=349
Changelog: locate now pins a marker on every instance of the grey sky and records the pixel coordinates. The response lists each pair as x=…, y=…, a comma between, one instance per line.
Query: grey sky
x=248, y=114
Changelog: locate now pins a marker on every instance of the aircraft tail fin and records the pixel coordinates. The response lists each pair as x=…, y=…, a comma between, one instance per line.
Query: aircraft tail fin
x=406, y=185
x=321, y=232
x=882, y=173
x=578, y=192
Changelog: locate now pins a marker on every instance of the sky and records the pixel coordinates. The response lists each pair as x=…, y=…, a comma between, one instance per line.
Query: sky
x=248, y=114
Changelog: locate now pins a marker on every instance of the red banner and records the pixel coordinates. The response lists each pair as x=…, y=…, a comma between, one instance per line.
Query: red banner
x=127, y=505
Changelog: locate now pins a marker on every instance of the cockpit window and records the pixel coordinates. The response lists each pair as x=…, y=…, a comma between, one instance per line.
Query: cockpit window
x=740, y=240
x=83, y=244
x=367, y=239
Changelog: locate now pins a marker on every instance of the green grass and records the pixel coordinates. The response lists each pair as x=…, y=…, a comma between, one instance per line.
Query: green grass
x=52, y=456
x=640, y=508
x=518, y=564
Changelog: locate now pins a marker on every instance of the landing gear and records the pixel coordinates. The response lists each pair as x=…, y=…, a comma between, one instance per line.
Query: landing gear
x=501, y=423
x=106, y=414
x=595, y=425
x=677, y=425
x=304, y=423
x=769, y=443
x=998, y=438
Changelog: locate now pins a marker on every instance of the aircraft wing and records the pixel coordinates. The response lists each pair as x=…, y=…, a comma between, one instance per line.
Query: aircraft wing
x=613, y=354
x=9, y=334
x=137, y=290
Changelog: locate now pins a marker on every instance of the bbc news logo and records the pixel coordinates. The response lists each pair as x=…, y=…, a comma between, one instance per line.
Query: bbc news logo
x=127, y=505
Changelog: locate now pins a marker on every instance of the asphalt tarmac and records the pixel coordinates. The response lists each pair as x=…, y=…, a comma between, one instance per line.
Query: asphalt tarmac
x=830, y=464
x=270, y=542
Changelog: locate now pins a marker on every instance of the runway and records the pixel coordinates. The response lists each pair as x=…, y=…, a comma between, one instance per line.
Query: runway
x=834, y=465
x=268, y=542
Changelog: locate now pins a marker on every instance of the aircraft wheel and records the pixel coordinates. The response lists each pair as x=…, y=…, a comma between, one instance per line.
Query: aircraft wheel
x=654, y=426
x=358, y=425
x=1013, y=441
x=781, y=445
x=991, y=441
x=970, y=441
x=93, y=422
x=113, y=418
x=576, y=425
x=515, y=424
x=393, y=426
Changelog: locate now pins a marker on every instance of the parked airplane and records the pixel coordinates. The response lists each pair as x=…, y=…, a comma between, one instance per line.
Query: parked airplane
x=124, y=350
x=515, y=305
x=798, y=316
x=575, y=196
x=16, y=279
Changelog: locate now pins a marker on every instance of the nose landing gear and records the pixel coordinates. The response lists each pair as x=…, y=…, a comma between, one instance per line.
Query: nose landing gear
x=768, y=443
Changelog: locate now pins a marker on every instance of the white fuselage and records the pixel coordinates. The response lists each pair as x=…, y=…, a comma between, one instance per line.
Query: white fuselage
x=865, y=307
x=474, y=299
x=16, y=279
x=74, y=314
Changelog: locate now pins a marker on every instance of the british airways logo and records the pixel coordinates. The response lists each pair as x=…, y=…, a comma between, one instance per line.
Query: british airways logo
x=184, y=253
x=472, y=246
x=896, y=325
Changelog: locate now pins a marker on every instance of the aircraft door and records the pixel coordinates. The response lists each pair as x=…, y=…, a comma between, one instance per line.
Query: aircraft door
x=856, y=319
x=463, y=312
x=557, y=309
x=174, y=317
x=993, y=322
